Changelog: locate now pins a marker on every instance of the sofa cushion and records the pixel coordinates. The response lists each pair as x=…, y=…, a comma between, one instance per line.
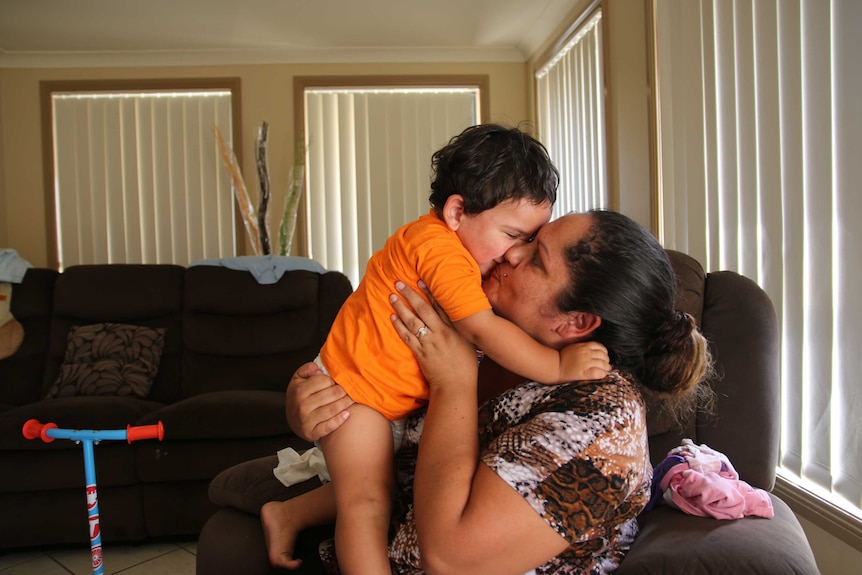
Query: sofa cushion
x=675, y=543
x=239, y=334
x=228, y=414
x=208, y=433
x=109, y=359
x=136, y=294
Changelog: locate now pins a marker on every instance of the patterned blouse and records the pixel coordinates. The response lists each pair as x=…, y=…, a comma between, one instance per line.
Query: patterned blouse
x=576, y=452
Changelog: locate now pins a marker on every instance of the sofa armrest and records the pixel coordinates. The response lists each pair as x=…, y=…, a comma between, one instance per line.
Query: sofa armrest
x=250, y=484
x=741, y=325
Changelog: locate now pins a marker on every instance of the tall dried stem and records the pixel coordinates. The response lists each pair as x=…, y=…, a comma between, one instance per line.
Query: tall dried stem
x=246, y=209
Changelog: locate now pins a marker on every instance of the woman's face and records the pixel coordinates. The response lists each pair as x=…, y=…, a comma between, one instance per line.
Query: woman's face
x=524, y=287
x=490, y=233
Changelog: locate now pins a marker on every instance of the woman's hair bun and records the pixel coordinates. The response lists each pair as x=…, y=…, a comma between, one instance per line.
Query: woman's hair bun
x=673, y=333
x=677, y=357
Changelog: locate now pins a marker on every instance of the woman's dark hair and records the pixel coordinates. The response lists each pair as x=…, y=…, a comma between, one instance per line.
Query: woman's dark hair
x=620, y=272
x=488, y=164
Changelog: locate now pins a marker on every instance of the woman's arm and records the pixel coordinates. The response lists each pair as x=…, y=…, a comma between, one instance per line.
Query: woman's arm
x=518, y=352
x=468, y=519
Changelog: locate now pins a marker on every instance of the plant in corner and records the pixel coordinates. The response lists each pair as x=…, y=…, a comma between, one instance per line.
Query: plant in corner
x=257, y=227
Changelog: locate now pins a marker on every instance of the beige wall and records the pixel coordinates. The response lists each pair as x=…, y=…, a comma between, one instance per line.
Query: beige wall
x=628, y=105
x=267, y=94
x=630, y=181
x=4, y=227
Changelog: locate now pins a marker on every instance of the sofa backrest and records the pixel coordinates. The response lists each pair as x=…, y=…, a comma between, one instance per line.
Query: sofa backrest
x=740, y=323
x=136, y=294
x=32, y=302
x=241, y=334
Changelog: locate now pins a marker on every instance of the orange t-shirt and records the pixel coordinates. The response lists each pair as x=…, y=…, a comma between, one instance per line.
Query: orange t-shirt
x=363, y=352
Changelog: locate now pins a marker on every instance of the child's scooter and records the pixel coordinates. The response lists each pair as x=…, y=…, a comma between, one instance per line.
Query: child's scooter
x=87, y=437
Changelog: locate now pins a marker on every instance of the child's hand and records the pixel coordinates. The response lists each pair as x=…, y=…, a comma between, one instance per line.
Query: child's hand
x=586, y=360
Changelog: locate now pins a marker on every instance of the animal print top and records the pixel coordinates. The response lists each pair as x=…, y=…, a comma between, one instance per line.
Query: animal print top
x=578, y=455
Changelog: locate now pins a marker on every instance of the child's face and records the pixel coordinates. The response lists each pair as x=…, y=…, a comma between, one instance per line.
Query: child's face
x=489, y=234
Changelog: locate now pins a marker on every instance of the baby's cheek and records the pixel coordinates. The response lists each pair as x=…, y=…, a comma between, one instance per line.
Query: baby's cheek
x=501, y=249
x=486, y=268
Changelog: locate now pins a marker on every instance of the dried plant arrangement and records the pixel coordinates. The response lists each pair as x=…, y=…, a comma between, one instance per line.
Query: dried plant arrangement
x=263, y=179
x=246, y=209
x=257, y=227
x=291, y=203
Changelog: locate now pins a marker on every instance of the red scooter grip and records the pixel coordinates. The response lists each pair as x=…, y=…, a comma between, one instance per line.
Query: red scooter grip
x=33, y=429
x=156, y=431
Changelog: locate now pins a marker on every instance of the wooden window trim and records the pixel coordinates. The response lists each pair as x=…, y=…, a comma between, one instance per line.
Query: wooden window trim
x=48, y=87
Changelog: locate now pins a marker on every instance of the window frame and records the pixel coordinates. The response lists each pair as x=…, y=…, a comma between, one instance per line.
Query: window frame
x=586, y=10
x=48, y=87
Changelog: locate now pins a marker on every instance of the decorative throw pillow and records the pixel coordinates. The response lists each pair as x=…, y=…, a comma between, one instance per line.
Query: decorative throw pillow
x=109, y=359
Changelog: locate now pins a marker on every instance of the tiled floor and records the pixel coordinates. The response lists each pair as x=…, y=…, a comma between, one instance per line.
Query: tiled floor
x=150, y=559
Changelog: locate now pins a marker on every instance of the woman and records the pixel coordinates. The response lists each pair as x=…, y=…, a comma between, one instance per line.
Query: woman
x=556, y=476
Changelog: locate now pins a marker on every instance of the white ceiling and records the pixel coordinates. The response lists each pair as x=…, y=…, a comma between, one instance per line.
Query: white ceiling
x=158, y=32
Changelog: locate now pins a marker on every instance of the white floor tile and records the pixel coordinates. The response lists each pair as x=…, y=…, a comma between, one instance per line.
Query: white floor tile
x=145, y=559
x=179, y=562
x=12, y=559
x=38, y=565
x=115, y=557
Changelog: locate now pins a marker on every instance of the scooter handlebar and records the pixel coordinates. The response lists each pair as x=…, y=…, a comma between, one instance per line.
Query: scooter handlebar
x=34, y=429
x=155, y=431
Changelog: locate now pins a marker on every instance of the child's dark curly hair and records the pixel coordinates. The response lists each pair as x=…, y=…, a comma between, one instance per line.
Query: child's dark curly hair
x=489, y=164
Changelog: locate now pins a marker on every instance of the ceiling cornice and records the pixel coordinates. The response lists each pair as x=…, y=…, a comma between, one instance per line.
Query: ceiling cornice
x=257, y=56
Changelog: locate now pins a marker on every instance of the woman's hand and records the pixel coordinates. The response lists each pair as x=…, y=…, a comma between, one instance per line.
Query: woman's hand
x=314, y=404
x=444, y=356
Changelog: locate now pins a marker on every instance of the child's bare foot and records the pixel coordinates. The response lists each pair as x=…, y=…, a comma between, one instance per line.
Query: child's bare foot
x=280, y=534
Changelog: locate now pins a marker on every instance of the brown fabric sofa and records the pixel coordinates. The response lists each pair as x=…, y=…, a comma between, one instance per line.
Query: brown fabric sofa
x=230, y=346
x=739, y=320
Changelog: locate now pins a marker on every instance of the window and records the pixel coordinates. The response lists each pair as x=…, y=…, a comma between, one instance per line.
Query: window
x=570, y=104
x=368, y=146
x=759, y=173
x=136, y=173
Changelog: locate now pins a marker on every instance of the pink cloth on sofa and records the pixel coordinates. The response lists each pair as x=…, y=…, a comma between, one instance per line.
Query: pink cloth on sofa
x=707, y=485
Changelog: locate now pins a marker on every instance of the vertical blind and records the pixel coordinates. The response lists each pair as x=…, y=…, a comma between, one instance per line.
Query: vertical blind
x=138, y=177
x=570, y=105
x=369, y=164
x=759, y=136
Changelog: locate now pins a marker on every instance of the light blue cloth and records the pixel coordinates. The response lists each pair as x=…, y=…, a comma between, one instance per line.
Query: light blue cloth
x=12, y=266
x=265, y=269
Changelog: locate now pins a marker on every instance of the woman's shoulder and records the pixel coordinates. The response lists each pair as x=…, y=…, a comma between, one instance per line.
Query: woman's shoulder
x=609, y=411
x=529, y=399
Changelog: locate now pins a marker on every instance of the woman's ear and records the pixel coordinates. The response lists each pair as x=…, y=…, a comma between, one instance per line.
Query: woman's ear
x=579, y=324
x=453, y=211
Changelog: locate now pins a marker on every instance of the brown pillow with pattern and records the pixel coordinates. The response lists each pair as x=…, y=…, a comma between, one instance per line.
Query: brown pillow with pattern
x=109, y=359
